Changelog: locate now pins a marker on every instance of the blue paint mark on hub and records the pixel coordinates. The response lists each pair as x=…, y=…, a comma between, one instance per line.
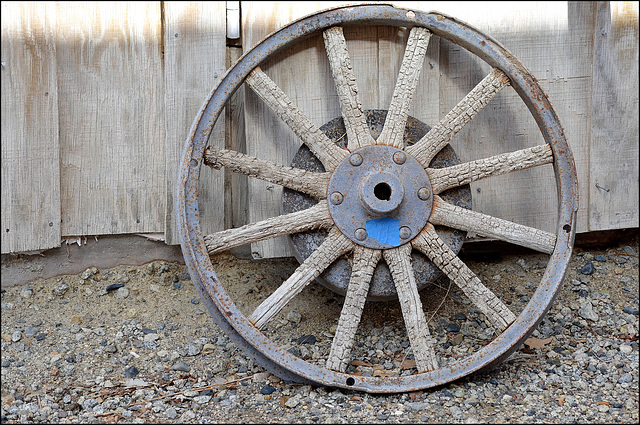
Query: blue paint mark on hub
x=385, y=230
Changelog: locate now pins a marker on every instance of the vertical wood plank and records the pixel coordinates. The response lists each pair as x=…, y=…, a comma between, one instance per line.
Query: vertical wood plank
x=613, y=185
x=195, y=55
x=111, y=117
x=30, y=144
x=303, y=73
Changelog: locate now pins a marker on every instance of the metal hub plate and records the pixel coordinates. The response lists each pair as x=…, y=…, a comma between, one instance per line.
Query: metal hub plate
x=380, y=197
x=336, y=277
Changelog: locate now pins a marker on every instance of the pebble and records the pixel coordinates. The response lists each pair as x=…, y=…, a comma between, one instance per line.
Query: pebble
x=267, y=389
x=131, y=371
x=181, y=366
x=587, y=268
x=586, y=311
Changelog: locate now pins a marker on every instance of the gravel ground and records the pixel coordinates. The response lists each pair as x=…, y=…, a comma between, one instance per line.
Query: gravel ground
x=136, y=345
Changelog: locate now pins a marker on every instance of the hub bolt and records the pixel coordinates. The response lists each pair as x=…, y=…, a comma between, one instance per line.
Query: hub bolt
x=355, y=159
x=424, y=193
x=399, y=158
x=336, y=198
x=405, y=232
x=361, y=234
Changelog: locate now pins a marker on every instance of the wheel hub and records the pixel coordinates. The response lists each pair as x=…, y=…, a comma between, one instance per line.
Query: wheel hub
x=380, y=197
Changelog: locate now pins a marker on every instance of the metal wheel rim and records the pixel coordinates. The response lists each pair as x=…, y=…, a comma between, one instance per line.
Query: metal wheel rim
x=248, y=337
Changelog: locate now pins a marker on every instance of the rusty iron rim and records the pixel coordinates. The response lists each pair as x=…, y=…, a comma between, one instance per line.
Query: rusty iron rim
x=244, y=334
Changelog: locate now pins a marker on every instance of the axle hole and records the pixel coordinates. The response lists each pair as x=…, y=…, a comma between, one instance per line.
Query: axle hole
x=566, y=228
x=382, y=191
x=350, y=381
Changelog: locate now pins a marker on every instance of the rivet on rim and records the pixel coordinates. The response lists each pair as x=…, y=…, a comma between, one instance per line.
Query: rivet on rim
x=424, y=193
x=355, y=159
x=405, y=232
x=336, y=198
x=399, y=158
x=360, y=234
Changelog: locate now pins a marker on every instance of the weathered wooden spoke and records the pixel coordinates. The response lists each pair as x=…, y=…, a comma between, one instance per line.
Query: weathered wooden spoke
x=316, y=217
x=437, y=250
x=458, y=175
x=440, y=135
x=335, y=245
x=324, y=149
x=399, y=262
x=393, y=130
x=445, y=214
x=364, y=263
x=311, y=183
x=355, y=120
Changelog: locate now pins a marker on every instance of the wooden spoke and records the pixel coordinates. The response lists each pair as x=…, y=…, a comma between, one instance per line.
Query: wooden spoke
x=364, y=264
x=322, y=147
x=399, y=262
x=355, y=120
x=440, y=135
x=461, y=174
x=335, y=245
x=445, y=214
x=314, y=184
x=316, y=217
x=393, y=130
x=444, y=258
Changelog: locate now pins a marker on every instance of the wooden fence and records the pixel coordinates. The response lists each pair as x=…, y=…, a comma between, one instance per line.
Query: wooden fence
x=98, y=98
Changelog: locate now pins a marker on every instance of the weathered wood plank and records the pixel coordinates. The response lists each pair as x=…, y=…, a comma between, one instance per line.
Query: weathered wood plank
x=316, y=217
x=614, y=164
x=335, y=245
x=111, y=117
x=364, y=264
x=30, y=143
x=422, y=344
x=194, y=60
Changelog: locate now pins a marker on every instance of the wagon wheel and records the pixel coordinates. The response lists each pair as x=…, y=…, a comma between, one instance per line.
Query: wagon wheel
x=381, y=214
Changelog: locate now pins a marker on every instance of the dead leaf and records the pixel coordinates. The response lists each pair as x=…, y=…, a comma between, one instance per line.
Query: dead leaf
x=355, y=398
x=408, y=364
x=560, y=401
x=283, y=401
x=357, y=362
x=415, y=395
x=380, y=373
x=537, y=342
x=604, y=402
x=378, y=367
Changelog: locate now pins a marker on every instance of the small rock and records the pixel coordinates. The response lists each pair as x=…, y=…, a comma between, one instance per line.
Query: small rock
x=60, y=290
x=631, y=310
x=586, y=311
x=195, y=301
x=600, y=258
x=626, y=349
x=171, y=413
x=626, y=378
x=16, y=336
x=457, y=413
x=122, y=293
x=460, y=316
x=202, y=399
x=267, y=389
x=114, y=286
x=292, y=402
x=587, y=268
x=131, y=371
x=30, y=331
x=629, y=250
x=306, y=339
x=294, y=316
x=452, y=327
x=191, y=349
x=26, y=293
x=181, y=366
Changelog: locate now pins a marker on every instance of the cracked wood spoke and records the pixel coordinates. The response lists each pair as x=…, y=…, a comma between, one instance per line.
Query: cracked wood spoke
x=399, y=262
x=393, y=130
x=329, y=154
x=316, y=217
x=311, y=183
x=355, y=120
x=440, y=135
x=445, y=214
x=335, y=245
x=461, y=174
x=364, y=264
x=446, y=260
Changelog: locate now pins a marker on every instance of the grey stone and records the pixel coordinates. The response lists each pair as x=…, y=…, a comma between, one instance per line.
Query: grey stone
x=171, y=413
x=586, y=311
x=181, y=366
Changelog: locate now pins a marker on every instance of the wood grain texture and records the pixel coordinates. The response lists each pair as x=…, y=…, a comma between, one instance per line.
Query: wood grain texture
x=111, y=118
x=393, y=131
x=422, y=344
x=614, y=148
x=445, y=214
x=446, y=260
x=334, y=246
x=194, y=62
x=316, y=217
x=364, y=264
x=461, y=174
x=311, y=183
x=30, y=143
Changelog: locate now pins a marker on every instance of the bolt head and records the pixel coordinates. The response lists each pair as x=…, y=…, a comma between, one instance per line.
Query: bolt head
x=424, y=193
x=336, y=198
x=399, y=158
x=405, y=232
x=355, y=159
x=360, y=234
